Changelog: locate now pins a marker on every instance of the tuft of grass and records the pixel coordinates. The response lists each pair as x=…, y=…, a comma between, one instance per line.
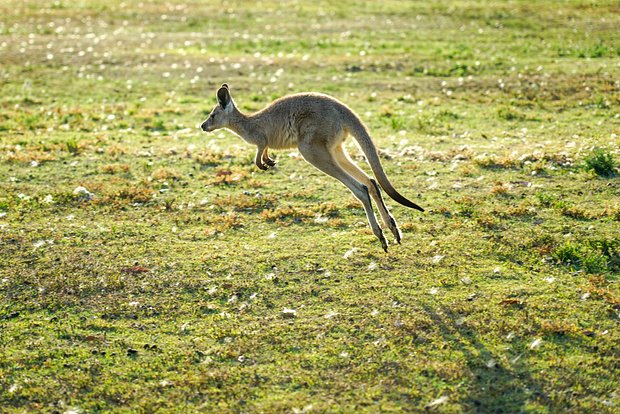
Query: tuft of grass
x=247, y=203
x=157, y=125
x=208, y=158
x=493, y=162
x=428, y=124
x=165, y=173
x=397, y=123
x=610, y=249
x=73, y=147
x=598, y=50
x=488, y=222
x=577, y=212
x=595, y=256
x=543, y=243
x=521, y=210
x=509, y=114
x=227, y=177
x=560, y=328
x=545, y=199
x=130, y=194
x=224, y=223
x=287, y=214
x=499, y=189
x=115, y=168
x=447, y=115
x=601, y=161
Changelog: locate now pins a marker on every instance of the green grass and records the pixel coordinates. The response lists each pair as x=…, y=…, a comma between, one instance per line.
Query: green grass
x=182, y=278
x=601, y=162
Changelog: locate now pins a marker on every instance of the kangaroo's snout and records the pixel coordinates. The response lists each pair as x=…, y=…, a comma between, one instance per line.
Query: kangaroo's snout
x=204, y=126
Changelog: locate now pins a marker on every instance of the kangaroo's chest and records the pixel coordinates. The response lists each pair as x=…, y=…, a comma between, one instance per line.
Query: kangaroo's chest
x=284, y=135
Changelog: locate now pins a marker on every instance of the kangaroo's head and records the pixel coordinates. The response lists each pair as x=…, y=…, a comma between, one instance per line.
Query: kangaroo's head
x=220, y=116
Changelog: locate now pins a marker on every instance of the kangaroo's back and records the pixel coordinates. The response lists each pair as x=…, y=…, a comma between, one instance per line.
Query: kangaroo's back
x=288, y=119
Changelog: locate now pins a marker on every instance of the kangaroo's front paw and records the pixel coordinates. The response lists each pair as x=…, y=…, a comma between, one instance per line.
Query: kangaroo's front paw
x=262, y=166
x=270, y=162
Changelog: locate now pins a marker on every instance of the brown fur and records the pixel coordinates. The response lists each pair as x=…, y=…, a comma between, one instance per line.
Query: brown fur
x=317, y=125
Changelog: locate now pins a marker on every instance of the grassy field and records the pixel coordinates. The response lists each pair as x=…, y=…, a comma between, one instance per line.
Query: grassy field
x=146, y=266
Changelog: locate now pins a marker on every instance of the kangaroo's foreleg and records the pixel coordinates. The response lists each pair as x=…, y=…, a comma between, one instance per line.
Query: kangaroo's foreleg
x=266, y=160
x=258, y=159
x=262, y=159
x=342, y=157
x=322, y=158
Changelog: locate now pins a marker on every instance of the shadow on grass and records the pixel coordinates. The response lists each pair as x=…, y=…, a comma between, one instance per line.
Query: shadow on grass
x=492, y=387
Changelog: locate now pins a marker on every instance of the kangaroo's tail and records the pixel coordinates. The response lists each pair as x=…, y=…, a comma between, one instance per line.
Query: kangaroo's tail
x=360, y=133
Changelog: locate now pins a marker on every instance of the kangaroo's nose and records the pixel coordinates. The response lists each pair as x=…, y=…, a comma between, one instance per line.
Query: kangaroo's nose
x=204, y=126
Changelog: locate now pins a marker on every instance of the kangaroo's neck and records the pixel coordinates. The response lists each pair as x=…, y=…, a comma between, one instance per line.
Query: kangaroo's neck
x=246, y=126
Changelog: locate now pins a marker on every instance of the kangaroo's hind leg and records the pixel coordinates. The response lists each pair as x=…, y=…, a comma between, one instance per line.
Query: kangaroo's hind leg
x=342, y=157
x=319, y=155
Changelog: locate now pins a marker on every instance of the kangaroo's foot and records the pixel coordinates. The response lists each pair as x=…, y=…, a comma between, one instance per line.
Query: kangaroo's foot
x=383, y=241
x=394, y=229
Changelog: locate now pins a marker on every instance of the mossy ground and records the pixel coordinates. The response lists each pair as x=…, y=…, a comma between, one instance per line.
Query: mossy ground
x=183, y=279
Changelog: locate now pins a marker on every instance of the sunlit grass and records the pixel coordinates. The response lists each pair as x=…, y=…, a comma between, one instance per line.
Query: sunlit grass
x=145, y=265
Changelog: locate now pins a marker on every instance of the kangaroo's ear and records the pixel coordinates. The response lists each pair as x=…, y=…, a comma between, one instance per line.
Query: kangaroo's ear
x=223, y=96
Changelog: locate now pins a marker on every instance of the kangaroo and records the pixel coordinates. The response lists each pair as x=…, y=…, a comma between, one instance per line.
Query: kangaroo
x=317, y=125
